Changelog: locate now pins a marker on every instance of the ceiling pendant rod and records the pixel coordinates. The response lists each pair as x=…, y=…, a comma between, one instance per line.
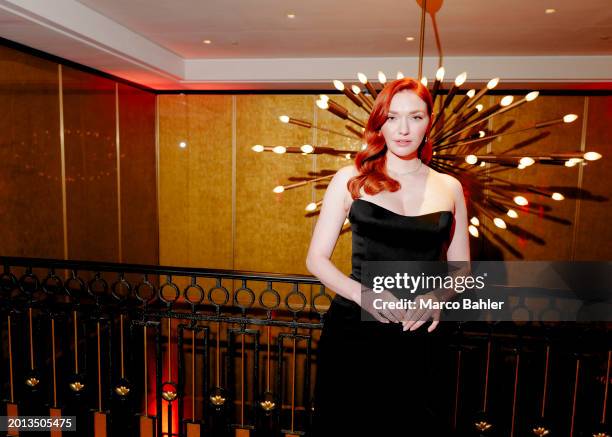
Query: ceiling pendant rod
x=422, y=38
x=437, y=35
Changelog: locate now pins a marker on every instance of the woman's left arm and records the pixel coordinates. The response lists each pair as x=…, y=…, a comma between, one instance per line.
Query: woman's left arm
x=459, y=247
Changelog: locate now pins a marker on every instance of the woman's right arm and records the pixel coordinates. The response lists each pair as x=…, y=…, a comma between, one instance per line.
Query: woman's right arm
x=331, y=218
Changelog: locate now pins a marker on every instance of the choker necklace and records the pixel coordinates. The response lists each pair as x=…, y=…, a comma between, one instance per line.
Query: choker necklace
x=411, y=171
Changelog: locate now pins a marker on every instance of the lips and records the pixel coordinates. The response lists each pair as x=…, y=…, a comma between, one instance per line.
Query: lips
x=403, y=142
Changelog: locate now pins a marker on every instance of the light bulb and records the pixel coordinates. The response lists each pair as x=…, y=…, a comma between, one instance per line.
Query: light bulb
x=459, y=80
x=570, y=163
x=473, y=231
x=569, y=118
x=364, y=146
x=479, y=107
x=474, y=220
x=279, y=189
x=557, y=196
x=347, y=156
x=362, y=78
x=399, y=75
x=499, y=223
x=506, y=100
x=532, y=96
x=521, y=166
x=481, y=133
x=279, y=149
x=257, y=148
x=482, y=163
x=355, y=89
x=284, y=118
x=323, y=97
x=527, y=161
x=440, y=73
x=592, y=156
x=182, y=144
x=471, y=159
x=311, y=206
x=471, y=93
x=424, y=81
x=307, y=148
x=322, y=104
x=520, y=201
x=512, y=213
x=493, y=83
x=339, y=85
x=381, y=77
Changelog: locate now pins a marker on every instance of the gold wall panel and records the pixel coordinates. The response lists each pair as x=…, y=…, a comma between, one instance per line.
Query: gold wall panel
x=139, y=227
x=561, y=138
x=195, y=207
x=593, y=233
x=210, y=215
x=91, y=166
x=342, y=252
x=272, y=232
x=30, y=171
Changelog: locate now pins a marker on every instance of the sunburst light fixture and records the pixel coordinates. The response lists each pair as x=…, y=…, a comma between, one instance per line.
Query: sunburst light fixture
x=459, y=137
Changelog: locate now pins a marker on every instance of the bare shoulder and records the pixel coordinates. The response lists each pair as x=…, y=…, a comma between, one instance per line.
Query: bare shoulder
x=338, y=189
x=450, y=181
x=345, y=173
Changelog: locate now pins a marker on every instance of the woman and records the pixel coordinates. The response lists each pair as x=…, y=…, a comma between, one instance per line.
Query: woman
x=374, y=377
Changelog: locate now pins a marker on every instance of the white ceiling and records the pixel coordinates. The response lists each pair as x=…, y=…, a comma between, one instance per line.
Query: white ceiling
x=254, y=45
x=349, y=28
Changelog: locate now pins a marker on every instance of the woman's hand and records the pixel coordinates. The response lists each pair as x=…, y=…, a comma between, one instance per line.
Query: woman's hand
x=414, y=319
x=384, y=315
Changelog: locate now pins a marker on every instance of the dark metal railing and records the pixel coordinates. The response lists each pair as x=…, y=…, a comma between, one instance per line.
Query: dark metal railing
x=181, y=347
x=155, y=350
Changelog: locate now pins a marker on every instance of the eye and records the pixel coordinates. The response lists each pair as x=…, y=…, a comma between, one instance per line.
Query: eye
x=418, y=117
x=390, y=117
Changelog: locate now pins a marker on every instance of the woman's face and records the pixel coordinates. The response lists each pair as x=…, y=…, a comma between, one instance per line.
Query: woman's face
x=406, y=124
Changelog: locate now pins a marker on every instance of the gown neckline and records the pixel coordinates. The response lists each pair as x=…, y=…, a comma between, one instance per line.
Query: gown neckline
x=397, y=214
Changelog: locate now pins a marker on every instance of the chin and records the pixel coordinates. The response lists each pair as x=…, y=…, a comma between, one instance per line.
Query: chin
x=404, y=152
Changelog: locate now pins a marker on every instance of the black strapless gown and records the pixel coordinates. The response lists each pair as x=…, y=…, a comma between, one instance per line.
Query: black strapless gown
x=373, y=378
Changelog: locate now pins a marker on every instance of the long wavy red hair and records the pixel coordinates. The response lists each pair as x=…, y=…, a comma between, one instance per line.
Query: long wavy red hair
x=370, y=162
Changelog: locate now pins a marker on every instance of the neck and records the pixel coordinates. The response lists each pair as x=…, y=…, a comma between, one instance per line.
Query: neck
x=399, y=165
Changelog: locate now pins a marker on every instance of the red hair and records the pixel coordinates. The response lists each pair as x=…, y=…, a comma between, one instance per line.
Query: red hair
x=370, y=162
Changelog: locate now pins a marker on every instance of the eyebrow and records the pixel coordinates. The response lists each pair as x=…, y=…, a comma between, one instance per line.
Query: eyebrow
x=411, y=112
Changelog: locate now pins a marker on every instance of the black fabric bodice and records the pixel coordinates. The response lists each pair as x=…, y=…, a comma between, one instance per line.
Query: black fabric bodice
x=373, y=378
x=380, y=234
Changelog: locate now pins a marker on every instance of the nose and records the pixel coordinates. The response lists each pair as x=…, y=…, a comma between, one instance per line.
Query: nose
x=404, y=126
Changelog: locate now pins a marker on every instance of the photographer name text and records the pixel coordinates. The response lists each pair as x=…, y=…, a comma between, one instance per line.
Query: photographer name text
x=431, y=304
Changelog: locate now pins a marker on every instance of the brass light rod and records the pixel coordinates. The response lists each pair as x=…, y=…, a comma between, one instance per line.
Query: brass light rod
x=539, y=125
x=309, y=125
